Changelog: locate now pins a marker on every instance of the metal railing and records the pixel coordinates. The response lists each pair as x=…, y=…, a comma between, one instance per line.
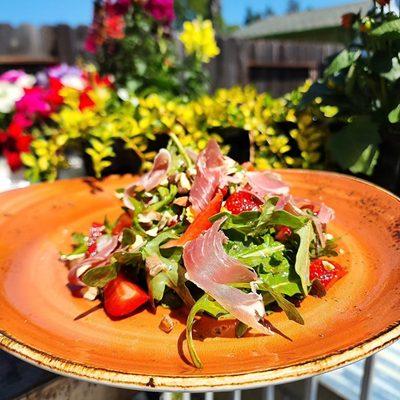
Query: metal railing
x=311, y=388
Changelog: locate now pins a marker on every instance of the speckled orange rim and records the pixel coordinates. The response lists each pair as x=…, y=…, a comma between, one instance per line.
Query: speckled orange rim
x=200, y=383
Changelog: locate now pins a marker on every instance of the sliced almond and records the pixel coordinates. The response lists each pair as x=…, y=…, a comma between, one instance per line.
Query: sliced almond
x=166, y=324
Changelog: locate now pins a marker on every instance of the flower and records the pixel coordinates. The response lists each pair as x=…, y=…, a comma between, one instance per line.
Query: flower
x=19, y=78
x=115, y=27
x=348, y=20
x=14, y=142
x=90, y=42
x=33, y=102
x=198, y=38
x=9, y=95
x=61, y=70
x=161, y=10
x=117, y=7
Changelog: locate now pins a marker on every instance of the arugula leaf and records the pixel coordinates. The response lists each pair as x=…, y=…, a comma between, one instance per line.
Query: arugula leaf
x=79, y=247
x=270, y=295
x=282, y=217
x=126, y=257
x=167, y=196
x=241, y=329
x=173, y=273
x=128, y=237
x=164, y=278
x=302, y=264
x=100, y=276
x=244, y=222
x=137, y=204
x=204, y=304
x=266, y=212
x=282, y=283
x=256, y=223
x=253, y=255
x=289, y=308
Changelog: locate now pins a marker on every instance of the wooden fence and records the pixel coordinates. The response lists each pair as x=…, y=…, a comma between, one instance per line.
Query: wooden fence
x=272, y=65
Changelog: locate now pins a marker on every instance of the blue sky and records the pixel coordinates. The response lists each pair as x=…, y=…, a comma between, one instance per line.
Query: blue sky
x=75, y=12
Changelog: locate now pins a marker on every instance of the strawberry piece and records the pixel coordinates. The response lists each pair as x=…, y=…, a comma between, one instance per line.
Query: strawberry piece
x=327, y=272
x=242, y=201
x=283, y=233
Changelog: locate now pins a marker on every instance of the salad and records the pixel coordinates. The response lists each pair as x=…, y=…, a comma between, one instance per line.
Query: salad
x=201, y=231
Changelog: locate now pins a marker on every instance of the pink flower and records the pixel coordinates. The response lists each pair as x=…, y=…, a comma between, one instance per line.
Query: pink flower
x=161, y=10
x=18, y=77
x=117, y=7
x=90, y=43
x=33, y=102
x=22, y=120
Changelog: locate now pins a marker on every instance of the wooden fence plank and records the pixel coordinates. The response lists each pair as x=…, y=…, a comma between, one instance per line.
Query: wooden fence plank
x=277, y=66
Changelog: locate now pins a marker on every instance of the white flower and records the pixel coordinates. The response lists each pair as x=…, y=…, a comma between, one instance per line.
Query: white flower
x=25, y=81
x=9, y=95
x=73, y=81
x=123, y=94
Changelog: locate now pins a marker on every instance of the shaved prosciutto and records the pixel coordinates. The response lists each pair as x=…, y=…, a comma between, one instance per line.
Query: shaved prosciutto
x=210, y=171
x=323, y=214
x=106, y=244
x=212, y=269
x=264, y=183
x=159, y=171
x=151, y=179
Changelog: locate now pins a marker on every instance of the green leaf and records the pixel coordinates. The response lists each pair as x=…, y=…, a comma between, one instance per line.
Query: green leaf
x=343, y=60
x=241, y=329
x=348, y=145
x=389, y=29
x=80, y=247
x=252, y=254
x=282, y=217
x=394, y=115
x=367, y=161
x=173, y=273
x=244, y=222
x=302, y=264
x=290, y=310
x=282, y=283
x=28, y=159
x=204, y=304
x=167, y=196
x=100, y=276
x=126, y=257
x=394, y=73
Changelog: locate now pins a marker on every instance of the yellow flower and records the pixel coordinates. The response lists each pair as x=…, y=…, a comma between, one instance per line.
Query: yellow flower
x=198, y=38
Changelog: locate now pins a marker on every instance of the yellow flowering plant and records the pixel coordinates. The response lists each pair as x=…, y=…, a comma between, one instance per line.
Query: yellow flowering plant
x=133, y=41
x=198, y=38
x=278, y=135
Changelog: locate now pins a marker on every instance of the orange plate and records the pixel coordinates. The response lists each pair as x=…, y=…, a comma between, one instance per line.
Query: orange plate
x=359, y=316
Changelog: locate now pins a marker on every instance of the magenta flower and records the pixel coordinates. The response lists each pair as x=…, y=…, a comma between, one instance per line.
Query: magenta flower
x=161, y=10
x=12, y=75
x=117, y=7
x=33, y=102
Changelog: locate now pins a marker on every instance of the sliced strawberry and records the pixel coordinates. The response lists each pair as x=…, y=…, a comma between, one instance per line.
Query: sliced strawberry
x=122, y=297
x=242, y=201
x=327, y=272
x=283, y=233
